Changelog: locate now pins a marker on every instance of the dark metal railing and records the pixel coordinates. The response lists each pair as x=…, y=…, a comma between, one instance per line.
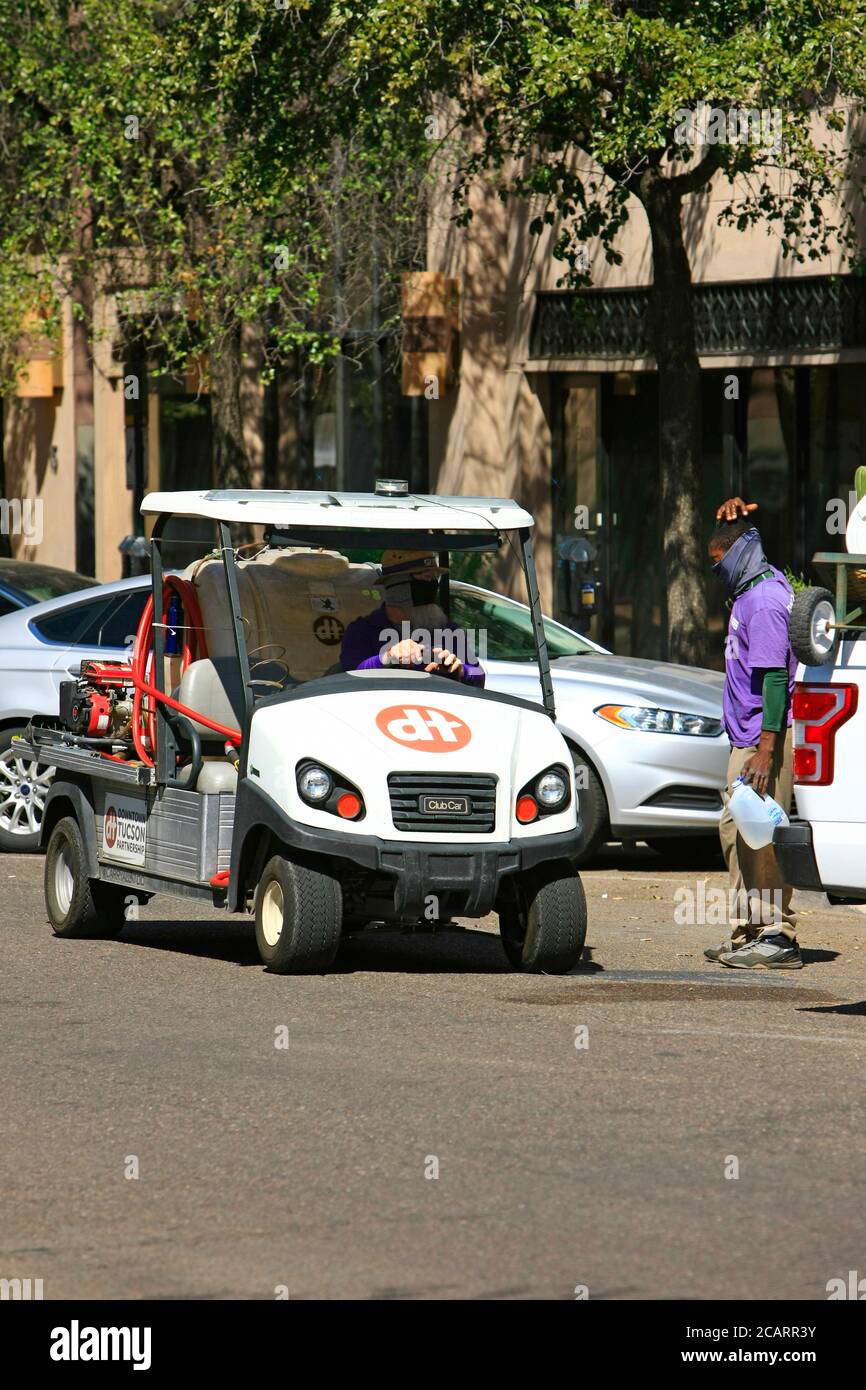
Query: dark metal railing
x=811, y=313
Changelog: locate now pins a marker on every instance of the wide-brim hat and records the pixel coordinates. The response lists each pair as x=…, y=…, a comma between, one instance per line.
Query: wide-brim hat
x=400, y=564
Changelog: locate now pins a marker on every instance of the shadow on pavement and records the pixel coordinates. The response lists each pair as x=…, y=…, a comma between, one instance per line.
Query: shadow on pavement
x=233, y=943
x=639, y=858
x=448, y=952
x=445, y=952
x=857, y=1010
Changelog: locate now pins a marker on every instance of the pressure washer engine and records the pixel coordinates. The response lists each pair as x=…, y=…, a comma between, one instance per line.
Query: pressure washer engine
x=98, y=704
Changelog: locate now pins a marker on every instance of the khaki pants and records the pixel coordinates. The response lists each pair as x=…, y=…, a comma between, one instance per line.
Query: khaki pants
x=759, y=898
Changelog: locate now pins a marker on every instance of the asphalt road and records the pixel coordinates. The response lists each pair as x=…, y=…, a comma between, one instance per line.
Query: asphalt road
x=308, y=1168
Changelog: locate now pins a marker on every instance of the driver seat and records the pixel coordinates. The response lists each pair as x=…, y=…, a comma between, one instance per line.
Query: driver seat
x=211, y=686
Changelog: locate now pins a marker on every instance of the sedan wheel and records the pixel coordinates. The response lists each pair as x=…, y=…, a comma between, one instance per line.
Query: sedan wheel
x=24, y=785
x=592, y=804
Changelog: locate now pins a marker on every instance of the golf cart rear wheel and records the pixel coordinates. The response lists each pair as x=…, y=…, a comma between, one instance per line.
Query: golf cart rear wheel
x=814, y=637
x=78, y=906
x=542, y=919
x=299, y=913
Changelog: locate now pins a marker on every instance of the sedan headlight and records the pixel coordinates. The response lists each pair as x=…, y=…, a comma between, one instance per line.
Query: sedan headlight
x=314, y=784
x=651, y=720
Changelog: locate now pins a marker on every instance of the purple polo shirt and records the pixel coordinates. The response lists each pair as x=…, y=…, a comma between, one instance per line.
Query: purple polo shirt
x=363, y=642
x=757, y=639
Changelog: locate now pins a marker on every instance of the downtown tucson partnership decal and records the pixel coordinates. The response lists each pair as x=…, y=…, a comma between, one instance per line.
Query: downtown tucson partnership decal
x=124, y=830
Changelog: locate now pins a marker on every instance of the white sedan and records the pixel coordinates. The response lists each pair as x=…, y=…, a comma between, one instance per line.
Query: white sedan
x=646, y=736
x=42, y=644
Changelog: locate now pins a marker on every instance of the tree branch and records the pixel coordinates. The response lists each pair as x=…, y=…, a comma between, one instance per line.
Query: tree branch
x=699, y=175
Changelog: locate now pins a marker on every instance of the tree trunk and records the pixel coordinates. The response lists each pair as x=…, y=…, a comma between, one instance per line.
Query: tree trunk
x=5, y=542
x=230, y=462
x=679, y=434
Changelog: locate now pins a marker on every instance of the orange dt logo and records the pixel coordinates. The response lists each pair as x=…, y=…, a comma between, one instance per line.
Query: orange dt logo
x=428, y=730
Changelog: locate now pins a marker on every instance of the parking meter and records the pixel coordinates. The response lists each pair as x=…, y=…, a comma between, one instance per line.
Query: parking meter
x=135, y=552
x=577, y=587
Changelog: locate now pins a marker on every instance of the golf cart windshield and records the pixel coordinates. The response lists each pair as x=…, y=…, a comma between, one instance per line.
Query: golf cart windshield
x=302, y=569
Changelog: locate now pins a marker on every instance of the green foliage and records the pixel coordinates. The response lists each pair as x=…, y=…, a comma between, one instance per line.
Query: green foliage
x=796, y=581
x=473, y=567
x=578, y=106
x=581, y=109
x=195, y=157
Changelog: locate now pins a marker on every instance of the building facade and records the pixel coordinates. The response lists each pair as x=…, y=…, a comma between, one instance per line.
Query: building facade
x=94, y=425
x=554, y=401
x=557, y=403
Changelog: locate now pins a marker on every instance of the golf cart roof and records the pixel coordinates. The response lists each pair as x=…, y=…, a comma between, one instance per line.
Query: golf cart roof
x=361, y=511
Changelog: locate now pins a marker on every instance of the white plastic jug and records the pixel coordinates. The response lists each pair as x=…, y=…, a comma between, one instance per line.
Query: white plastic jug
x=756, y=817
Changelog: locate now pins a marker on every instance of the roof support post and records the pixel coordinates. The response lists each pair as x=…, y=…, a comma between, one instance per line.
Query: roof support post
x=231, y=573
x=537, y=621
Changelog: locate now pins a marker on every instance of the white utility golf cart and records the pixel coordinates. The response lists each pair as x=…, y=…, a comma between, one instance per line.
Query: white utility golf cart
x=235, y=759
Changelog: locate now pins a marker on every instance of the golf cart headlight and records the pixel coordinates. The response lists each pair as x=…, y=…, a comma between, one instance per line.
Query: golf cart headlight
x=651, y=720
x=314, y=784
x=551, y=788
x=548, y=793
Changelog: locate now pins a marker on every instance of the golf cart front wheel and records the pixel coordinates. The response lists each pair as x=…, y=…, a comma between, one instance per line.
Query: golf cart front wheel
x=813, y=632
x=542, y=919
x=79, y=906
x=299, y=911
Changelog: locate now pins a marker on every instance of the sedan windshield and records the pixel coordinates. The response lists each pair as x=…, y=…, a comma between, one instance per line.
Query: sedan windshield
x=507, y=626
x=36, y=583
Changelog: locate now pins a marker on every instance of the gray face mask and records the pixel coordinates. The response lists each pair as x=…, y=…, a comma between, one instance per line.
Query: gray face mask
x=742, y=563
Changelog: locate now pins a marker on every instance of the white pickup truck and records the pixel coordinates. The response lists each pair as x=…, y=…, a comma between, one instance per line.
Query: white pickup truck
x=824, y=847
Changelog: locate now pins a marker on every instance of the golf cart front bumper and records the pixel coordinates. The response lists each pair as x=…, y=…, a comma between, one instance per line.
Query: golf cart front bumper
x=471, y=872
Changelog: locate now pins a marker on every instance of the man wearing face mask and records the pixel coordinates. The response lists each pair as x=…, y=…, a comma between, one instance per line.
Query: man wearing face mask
x=411, y=582
x=759, y=683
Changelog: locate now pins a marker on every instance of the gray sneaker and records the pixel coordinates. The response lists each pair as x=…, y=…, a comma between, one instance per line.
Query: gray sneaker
x=769, y=951
x=724, y=948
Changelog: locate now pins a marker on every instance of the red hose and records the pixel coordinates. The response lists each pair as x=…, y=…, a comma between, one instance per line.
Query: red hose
x=234, y=734
x=194, y=648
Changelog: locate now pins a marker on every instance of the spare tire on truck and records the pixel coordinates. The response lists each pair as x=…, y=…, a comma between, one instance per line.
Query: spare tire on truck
x=814, y=636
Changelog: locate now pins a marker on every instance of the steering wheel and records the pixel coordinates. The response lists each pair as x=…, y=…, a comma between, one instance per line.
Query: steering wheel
x=276, y=660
